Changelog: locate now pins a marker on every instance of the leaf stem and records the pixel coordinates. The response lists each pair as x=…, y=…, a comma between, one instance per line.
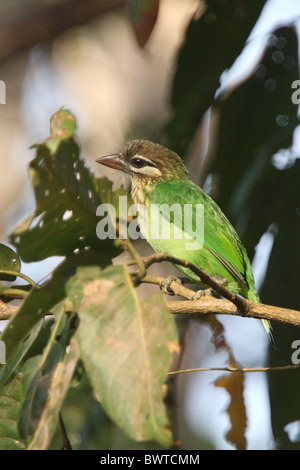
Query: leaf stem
x=137, y=259
x=17, y=274
x=12, y=293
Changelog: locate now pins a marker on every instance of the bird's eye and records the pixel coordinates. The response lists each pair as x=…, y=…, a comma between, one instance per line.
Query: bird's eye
x=138, y=162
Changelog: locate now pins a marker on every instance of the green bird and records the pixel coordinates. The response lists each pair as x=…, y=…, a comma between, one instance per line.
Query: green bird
x=162, y=189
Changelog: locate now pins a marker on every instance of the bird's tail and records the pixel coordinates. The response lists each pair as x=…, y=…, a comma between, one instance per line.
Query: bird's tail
x=268, y=327
x=253, y=296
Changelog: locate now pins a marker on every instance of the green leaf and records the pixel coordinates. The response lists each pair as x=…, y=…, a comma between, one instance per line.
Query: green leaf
x=143, y=15
x=9, y=261
x=16, y=357
x=58, y=387
x=126, y=347
x=62, y=124
x=38, y=376
x=11, y=397
x=41, y=300
x=67, y=195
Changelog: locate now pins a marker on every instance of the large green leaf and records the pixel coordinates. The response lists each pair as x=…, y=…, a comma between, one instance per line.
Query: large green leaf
x=11, y=397
x=14, y=359
x=57, y=390
x=38, y=374
x=67, y=195
x=126, y=347
x=46, y=379
x=41, y=300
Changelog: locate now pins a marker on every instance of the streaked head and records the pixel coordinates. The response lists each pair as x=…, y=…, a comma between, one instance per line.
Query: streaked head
x=147, y=161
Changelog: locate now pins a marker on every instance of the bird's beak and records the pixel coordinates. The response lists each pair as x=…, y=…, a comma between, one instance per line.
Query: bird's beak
x=113, y=161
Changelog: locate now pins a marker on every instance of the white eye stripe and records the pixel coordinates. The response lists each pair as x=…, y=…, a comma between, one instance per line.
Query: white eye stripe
x=146, y=170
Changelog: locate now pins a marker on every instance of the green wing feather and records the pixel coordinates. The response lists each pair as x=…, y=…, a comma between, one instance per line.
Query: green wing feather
x=222, y=253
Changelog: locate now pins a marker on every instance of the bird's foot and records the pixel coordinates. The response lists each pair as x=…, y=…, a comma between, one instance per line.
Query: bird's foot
x=201, y=293
x=165, y=285
x=222, y=281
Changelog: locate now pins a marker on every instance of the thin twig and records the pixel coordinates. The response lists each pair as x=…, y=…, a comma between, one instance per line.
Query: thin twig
x=236, y=369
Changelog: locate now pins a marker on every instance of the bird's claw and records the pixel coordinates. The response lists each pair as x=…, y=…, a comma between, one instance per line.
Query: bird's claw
x=165, y=284
x=201, y=293
x=222, y=281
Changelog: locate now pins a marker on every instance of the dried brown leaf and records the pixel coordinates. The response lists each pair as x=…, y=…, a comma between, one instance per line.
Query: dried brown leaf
x=234, y=384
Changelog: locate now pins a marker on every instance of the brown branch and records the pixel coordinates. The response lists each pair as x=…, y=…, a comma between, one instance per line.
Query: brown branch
x=6, y=311
x=211, y=305
x=204, y=277
x=208, y=305
x=205, y=306
x=231, y=305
